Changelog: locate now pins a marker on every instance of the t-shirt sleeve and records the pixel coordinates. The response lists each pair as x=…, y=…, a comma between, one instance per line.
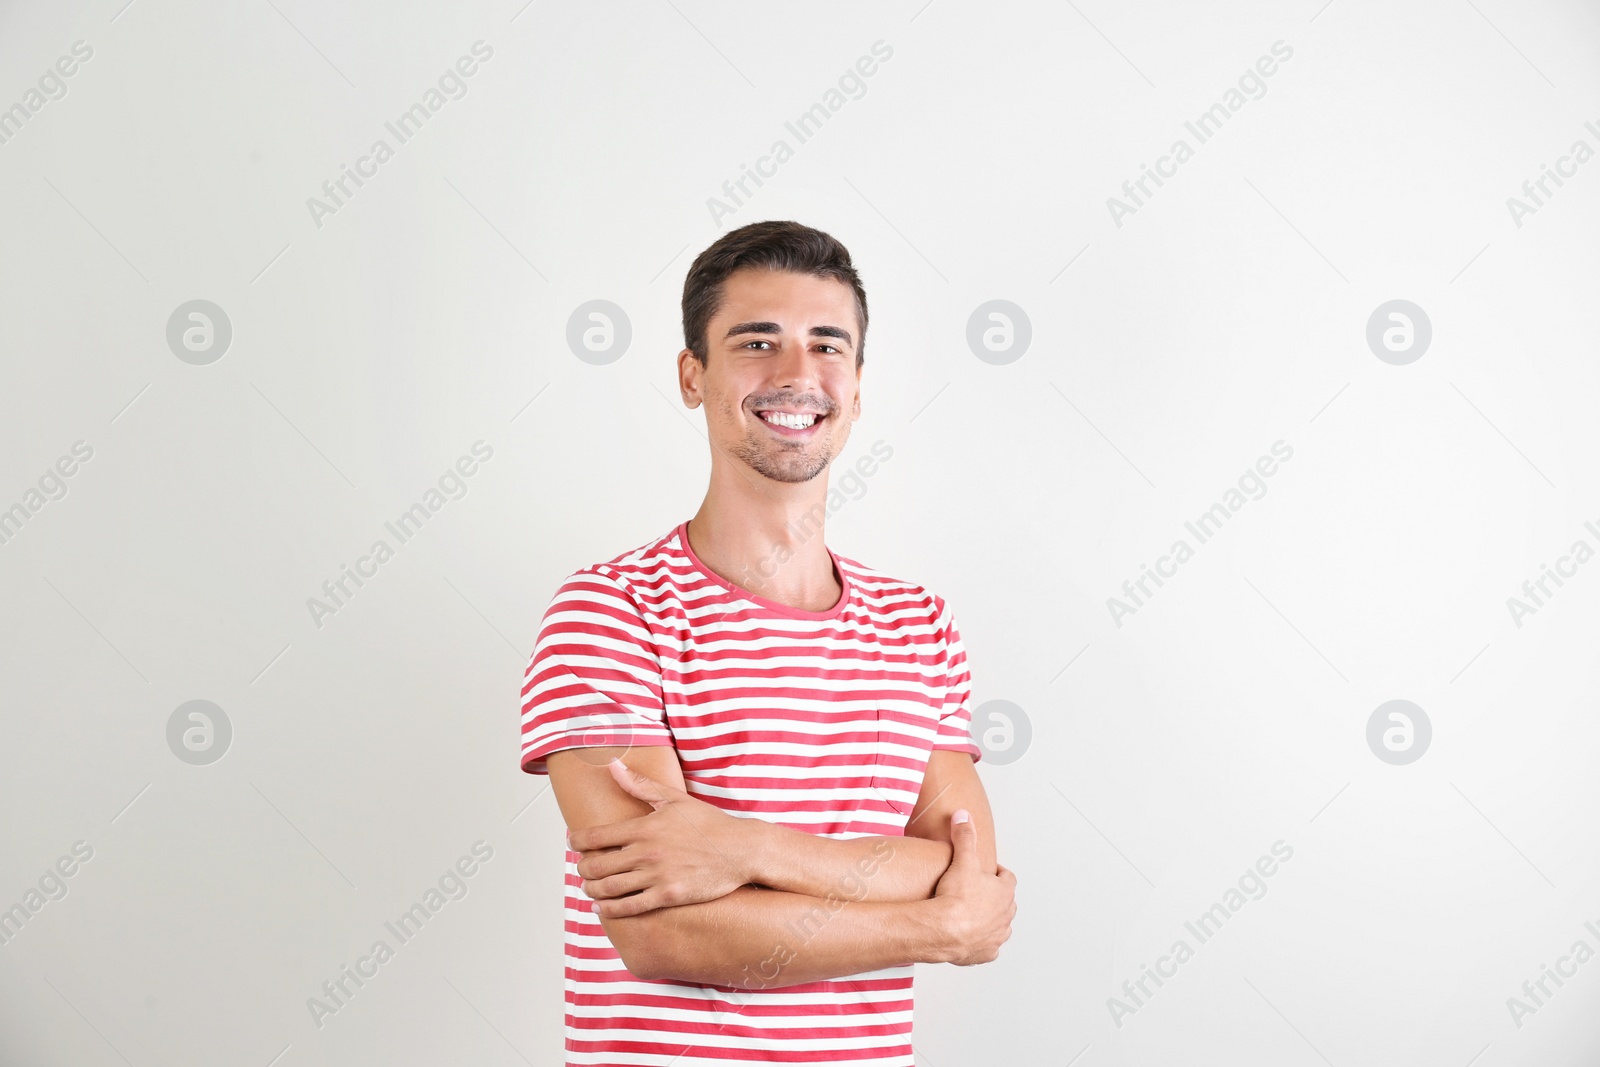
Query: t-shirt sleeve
x=594, y=677
x=955, y=719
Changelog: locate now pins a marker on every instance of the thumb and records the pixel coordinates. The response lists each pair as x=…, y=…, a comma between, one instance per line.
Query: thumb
x=639, y=785
x=963, y=839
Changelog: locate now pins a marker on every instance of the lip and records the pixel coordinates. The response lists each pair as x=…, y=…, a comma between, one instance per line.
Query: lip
x=785, y=431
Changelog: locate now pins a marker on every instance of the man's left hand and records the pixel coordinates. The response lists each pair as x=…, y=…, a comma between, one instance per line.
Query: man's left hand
x=686, y=851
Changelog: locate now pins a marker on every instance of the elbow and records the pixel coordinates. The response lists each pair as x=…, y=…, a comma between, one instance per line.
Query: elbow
x=639, y=946
x=642, y=967
x=653, y=949
x=640, y=963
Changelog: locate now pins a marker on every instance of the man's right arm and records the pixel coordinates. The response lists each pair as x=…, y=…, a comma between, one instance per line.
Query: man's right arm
x=753, y=937
x=757, y=938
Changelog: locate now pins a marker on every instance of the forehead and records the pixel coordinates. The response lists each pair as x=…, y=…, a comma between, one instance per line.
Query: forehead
x=786, y=297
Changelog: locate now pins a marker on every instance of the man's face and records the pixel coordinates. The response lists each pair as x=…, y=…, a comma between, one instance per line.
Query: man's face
x=780, y=384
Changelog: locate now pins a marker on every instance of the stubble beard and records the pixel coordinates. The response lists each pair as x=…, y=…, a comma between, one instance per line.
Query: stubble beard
x=783, y=461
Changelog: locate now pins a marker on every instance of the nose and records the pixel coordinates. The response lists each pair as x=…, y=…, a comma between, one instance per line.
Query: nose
x=796, y=368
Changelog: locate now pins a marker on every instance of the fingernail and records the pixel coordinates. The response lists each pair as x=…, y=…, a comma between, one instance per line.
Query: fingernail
x=961, y=815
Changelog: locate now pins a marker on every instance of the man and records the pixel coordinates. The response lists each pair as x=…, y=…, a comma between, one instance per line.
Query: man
x=796, y=818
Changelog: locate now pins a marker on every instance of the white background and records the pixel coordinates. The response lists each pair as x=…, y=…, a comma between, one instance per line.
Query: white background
x=430, y=312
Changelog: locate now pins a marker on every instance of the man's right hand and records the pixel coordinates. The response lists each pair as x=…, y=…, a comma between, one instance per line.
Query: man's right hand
x=977, y=907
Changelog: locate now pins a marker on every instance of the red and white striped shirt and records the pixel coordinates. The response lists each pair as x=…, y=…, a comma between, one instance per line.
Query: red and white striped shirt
x=821, y=721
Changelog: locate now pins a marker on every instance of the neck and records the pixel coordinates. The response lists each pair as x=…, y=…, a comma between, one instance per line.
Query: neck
x=767, y=537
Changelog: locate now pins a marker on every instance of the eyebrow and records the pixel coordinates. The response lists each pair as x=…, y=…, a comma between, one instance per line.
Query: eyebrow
x=772, y=327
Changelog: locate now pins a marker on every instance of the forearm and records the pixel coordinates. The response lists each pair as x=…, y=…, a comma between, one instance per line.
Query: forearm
x=755, y=938
x=863, y=868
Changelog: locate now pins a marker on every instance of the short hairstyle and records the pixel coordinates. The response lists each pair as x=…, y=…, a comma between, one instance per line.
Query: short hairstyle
x=770, y=245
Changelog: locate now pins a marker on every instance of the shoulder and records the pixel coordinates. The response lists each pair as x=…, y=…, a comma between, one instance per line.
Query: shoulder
x=901, y=598
x=627, y=577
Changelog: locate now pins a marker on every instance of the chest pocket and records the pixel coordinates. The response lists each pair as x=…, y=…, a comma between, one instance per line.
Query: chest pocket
x=896, y=777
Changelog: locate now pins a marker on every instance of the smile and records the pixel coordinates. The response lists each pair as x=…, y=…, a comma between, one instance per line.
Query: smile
x=791, y=423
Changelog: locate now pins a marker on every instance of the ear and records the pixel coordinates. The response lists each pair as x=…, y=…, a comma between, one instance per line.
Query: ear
x=690, y=375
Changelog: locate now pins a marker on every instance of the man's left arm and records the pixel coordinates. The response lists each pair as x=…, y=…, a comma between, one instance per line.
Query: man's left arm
x=653, y=863
x=638, y=865
x=814, y=864
x=805, y=863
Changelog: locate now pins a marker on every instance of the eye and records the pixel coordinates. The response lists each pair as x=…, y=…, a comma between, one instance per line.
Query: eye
x=747, y=344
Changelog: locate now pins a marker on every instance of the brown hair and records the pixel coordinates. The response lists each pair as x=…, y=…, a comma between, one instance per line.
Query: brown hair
x=769, y=245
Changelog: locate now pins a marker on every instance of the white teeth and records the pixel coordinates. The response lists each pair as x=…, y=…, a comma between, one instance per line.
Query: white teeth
x=793, y=422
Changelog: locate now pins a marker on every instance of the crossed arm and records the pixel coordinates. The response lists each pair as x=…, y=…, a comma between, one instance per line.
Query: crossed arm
x=688, y=892
x=805, y=863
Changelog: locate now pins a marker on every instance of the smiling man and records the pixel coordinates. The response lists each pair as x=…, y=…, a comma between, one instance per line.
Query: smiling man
x=795, y=819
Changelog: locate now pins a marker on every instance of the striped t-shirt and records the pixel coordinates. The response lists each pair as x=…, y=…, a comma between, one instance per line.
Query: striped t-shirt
x=821, y=721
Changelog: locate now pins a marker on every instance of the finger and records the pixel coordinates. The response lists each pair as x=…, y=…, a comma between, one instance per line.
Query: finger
x=626, y=907
x=639, y=785
x=617, y=885
x=963, y=837
x=606, y=835
x=597, y=865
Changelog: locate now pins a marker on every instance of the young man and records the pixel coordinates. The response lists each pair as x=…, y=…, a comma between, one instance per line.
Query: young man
x=795, y=819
